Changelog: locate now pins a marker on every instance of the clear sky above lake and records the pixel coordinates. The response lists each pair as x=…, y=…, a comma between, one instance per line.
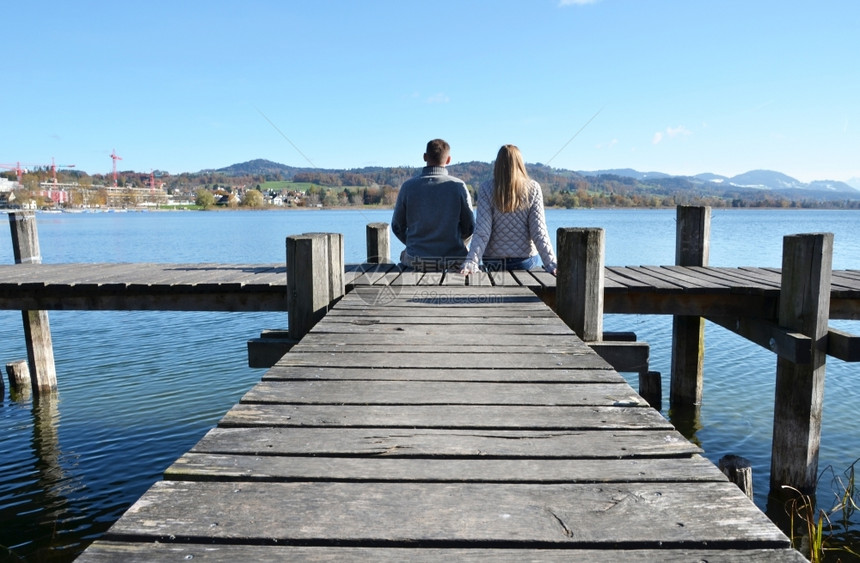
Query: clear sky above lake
x=676, y=86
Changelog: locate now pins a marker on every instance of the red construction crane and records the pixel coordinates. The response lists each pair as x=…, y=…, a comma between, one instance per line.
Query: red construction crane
x=115, y=158
x=54, y=169
x=53, y=166
x=16, y=167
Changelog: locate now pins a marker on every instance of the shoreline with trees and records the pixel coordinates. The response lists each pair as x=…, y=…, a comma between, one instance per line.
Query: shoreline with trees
x=261, y=184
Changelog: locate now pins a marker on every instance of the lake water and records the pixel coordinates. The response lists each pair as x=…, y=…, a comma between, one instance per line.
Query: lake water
x=138, y=389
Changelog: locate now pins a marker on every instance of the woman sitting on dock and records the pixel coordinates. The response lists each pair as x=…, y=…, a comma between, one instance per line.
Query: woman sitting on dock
x=511, y=228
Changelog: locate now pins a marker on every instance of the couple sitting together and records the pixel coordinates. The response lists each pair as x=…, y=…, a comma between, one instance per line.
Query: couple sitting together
x=433, y=218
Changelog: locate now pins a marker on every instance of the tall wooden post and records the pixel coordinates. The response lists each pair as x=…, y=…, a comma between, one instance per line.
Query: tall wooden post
x=378, y=244
x=579, y=285
x=334, y=252
x=37, y=329
x=804, y=306
x=314, y=278
x=692, y=247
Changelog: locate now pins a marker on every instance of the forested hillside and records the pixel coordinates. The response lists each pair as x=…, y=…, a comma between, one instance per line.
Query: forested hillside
x=566, y=188
x=278, y=184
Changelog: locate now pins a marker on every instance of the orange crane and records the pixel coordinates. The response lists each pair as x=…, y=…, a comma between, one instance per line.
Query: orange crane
x=115, y=158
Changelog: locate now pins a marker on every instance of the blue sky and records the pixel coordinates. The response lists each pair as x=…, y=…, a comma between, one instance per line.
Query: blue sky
x=677, y=86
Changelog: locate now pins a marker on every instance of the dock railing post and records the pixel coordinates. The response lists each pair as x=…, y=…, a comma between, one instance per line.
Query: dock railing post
x=804, y=306
x=692, y=247
x=579, y=285
x=37, y=328
x=314, y=279
x=378, y=244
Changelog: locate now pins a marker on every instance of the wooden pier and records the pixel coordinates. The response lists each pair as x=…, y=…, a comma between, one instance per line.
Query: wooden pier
x=441, y=422
x=430, y=415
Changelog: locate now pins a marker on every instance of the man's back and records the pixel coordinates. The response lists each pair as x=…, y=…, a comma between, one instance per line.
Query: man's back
x=433, y=215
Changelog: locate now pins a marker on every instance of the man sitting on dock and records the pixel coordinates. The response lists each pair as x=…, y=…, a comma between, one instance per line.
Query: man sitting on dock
x=433, y=215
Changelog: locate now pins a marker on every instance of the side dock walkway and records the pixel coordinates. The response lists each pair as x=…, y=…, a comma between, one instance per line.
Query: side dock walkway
x=422, y=423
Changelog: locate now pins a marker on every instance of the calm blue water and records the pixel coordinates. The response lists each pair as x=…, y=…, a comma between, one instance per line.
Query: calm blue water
x=138, y=389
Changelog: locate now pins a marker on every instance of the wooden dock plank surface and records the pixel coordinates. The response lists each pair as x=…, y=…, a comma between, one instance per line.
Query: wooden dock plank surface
x=670, y=290
x=135, y=553
x=435, y=434
x=634, y=515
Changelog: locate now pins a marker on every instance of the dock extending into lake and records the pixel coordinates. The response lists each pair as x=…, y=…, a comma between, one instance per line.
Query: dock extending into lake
x=432, y=415
x=443, y=422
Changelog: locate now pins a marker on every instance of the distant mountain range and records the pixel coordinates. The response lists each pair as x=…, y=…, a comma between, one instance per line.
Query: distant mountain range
x=754, y=179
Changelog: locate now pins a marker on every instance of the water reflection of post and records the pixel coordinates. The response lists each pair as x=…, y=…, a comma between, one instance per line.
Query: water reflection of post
x=46, y=450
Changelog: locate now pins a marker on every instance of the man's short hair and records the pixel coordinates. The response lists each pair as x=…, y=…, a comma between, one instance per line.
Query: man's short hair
x=437, y=152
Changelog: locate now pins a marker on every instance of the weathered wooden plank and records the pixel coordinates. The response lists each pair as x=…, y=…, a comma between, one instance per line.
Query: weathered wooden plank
x=478, y=317
x=429, y=304
x=368, y=274
x=739, y=282
x=768, y=277
x=644, y=276
x=624, y=279
x=843, y=345
x=447, y=393
x=645, y=302
x=147, y=299
x=503, y=278
x=432, y=278
x=749, y=278
x=429, y=312
x=455, y=279
x=526, y=279
x=447, y=416
x=546, y=279
x=584, y=375
x=464, y=289
x=848, y=278
x=679, y=275
x=790, y=345
x=406, y=359
x=13, y=274
x=430, y=335
x=231, y=467
x=469, y=327
x=441, y=295
x=502, y=515
x=430, y=344
x=479, y=279
x=446, y=445
x=107, y=551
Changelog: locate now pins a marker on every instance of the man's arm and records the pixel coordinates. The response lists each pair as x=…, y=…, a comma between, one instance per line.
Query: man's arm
x=398, y=219
x=467, y=216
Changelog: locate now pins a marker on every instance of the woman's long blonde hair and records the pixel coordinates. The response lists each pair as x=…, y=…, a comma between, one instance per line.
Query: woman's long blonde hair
x=510, y=180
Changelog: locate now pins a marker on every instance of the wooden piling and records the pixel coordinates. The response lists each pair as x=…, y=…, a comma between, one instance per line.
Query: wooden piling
x=651, y=388
x=37, y=328
x=314, y=278
x=739, y=471
x=19, y=376
x=804, y=306
x=579, y=285
x=378, y=244
x=692, y=247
